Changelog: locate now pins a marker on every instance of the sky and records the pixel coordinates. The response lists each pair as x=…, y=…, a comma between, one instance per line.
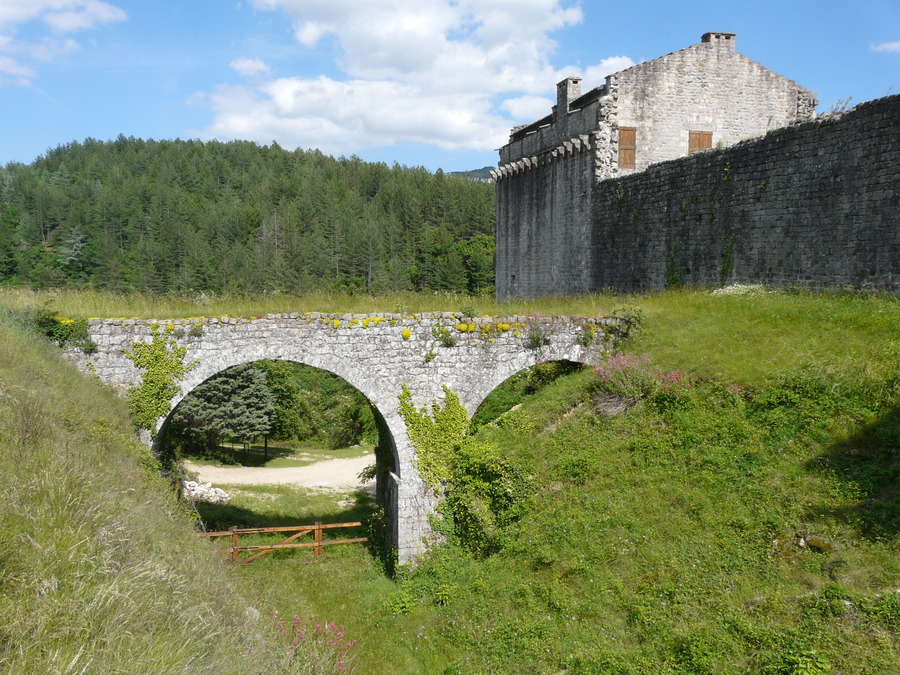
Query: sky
x=432, y=83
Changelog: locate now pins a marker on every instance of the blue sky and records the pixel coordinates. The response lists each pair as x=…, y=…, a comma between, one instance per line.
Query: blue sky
x=434, y=83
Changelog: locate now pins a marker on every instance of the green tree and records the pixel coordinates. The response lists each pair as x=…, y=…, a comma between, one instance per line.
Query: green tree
x=9, y=226
x=235, y=404
x=237, y=217
x=297, y=411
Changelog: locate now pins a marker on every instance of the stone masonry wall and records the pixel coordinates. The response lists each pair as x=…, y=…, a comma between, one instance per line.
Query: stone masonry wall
x=816, y=204
x=377, y=354
x=705, y=87
x=553, y=195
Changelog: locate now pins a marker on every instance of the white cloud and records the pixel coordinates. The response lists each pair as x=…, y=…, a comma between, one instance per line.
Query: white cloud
x=13, y=72
x=597, y=74
x=251, y=67
x=453, y=73
x=527, y=108
x=345, y=117
x=59, y=18
x=64, y=16
x=891, y=47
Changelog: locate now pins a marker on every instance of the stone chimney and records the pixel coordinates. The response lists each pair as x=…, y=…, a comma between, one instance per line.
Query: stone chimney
x=723, y=41
x=566, y=92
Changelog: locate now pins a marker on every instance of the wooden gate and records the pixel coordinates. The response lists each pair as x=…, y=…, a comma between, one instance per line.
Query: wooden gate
x=259, y=550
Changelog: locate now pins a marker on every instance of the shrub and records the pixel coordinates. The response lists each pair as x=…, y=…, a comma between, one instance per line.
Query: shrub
x=64, y=332
x=443, y=335
x=627, y=375
x=537, y=337
x=469, y=308
x=631, y=376
x=485, y=493
x=320, y=646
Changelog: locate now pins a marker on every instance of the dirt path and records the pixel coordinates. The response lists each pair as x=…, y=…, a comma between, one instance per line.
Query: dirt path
x=336, y=474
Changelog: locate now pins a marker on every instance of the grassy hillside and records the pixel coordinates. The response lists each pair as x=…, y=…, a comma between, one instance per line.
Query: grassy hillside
x=99, y=567
x=720, y=498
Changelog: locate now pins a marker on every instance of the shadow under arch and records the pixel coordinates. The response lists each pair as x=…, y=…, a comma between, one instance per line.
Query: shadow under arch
x=387, y=464
x=516, y=386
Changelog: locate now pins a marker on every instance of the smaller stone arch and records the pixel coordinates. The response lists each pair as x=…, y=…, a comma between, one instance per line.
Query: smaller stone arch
x=478, y=403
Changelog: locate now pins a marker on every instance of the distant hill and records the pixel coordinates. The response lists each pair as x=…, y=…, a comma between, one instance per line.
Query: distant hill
x=483, y=174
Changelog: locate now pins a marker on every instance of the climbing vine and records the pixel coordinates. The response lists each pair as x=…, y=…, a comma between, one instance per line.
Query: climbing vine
x=482, y=492
x=435, y=434
x=162, y=361
x=727, y=260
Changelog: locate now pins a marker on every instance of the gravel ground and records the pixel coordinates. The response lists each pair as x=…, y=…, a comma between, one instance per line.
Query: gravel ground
x=337, y=474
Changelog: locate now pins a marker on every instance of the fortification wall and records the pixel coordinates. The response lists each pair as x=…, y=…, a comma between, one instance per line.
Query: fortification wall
x=545, y=138
x=815, y=204
x=552, y=195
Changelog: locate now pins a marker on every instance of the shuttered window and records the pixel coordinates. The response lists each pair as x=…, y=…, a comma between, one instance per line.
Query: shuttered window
x=627, y=146
x=699, y=140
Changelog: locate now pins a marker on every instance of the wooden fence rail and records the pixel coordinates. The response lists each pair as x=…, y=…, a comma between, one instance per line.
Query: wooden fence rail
x=235, y=548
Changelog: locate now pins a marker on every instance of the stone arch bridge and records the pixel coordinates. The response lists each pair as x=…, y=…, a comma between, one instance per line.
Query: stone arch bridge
x=377, y=354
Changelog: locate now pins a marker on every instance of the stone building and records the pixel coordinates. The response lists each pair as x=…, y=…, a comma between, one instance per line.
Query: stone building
x=705, y=96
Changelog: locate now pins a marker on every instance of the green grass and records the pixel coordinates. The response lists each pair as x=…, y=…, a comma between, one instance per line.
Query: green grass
x=99, y=567
x=667, y=539
x=284, y=505
x=748, y=523
x=751, y=339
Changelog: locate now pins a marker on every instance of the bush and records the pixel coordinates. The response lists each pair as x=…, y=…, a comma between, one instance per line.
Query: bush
x=64, y=332
x=631, y=376
x=443, y=335
x=484, y=494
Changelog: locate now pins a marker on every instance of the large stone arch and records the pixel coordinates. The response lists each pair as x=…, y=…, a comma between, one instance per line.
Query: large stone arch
x=205, y=370
x=403, y=532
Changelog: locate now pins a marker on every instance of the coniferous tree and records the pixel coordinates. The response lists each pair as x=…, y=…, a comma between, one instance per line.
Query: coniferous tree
x=237, y=217
x=235, y=404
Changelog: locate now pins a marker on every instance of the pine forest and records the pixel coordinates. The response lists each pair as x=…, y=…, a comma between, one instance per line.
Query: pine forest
x=134, y=215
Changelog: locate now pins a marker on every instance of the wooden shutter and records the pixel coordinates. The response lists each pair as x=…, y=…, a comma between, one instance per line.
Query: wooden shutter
x=699, y=140
x=627, y=147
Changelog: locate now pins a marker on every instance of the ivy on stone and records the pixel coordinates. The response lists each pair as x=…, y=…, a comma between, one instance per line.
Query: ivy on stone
x=162, y=361
x=486, y=493
x=435, y=434
x=482, y=492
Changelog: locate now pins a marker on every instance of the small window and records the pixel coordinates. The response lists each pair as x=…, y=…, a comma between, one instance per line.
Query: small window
x=627, y=146
x=699, y=140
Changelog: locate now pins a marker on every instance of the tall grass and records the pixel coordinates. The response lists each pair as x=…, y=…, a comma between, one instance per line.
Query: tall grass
x=99, y=567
